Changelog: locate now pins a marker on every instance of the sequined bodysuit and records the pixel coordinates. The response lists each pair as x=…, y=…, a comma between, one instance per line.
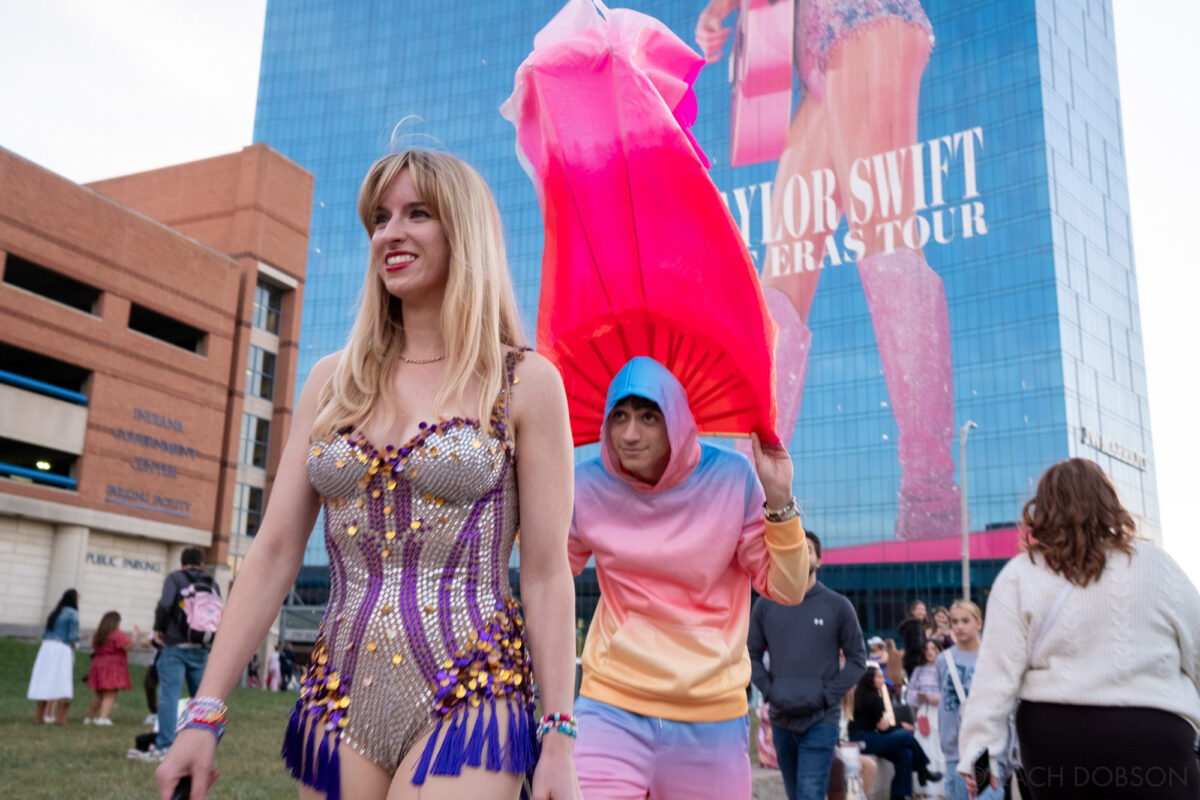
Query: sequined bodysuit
x=820, y=24
x=421, y=625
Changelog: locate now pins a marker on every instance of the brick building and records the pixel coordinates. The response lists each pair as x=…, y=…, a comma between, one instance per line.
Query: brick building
x=148, y=334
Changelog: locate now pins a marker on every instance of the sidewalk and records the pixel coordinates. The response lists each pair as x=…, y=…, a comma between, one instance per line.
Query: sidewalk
x=766, y=784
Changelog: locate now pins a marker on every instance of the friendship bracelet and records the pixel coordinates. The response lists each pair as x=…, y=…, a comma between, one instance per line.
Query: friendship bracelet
x=205, y=713
x=563, y=723
x=789, y=511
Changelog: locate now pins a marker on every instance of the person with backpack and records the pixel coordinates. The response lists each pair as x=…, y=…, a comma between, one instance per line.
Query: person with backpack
x=185, y=620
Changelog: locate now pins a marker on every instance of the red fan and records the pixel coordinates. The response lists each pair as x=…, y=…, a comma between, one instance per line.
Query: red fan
x=642, y=257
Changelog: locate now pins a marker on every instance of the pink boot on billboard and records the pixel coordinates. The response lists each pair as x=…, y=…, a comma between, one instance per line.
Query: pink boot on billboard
x=791, y=365
x=912, y=328
x=791, y=361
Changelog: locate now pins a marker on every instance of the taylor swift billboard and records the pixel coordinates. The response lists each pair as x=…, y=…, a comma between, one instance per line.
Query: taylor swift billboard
x=856, y=151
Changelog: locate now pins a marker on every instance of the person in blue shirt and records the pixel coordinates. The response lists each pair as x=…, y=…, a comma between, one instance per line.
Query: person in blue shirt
x=52, y=683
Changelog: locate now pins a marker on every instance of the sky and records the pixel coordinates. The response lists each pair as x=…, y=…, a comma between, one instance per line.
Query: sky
x=98, y=89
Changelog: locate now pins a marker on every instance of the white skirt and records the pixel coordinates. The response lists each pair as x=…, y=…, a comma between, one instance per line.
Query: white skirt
x=53, y=672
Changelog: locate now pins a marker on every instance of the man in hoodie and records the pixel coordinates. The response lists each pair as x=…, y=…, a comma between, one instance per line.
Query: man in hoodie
x=806, y=679
x=680, y=531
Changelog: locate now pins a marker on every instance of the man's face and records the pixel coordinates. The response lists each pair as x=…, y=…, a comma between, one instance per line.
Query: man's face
x=814, y=560
x=639, y=438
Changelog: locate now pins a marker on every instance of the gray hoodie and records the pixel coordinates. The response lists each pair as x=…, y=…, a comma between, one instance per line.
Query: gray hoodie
x=805, y=682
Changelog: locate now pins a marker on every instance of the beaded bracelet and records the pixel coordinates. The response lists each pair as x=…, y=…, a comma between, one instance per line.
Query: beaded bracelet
x=789, y=511
x=204, y=713
x=563, y=723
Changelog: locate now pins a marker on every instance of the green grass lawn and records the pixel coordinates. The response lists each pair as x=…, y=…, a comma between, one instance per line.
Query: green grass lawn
x=47, y=761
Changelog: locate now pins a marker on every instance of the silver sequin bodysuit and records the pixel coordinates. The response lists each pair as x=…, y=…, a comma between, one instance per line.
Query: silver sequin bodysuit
x=421, y=623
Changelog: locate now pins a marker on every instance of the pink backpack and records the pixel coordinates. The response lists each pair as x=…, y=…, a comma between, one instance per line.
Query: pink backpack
x=201, y=604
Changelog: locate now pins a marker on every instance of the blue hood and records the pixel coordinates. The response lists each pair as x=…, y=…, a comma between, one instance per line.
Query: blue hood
x=645, y=377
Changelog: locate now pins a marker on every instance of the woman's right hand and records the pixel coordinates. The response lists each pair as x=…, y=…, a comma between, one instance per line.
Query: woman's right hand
x=710, y=34
x=191, y=754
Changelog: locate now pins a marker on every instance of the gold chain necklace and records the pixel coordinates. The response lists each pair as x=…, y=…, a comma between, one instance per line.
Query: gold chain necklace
x=423, y=360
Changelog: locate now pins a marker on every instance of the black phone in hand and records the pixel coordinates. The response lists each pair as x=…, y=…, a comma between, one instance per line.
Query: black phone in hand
x=183, y=789
x=983, y=771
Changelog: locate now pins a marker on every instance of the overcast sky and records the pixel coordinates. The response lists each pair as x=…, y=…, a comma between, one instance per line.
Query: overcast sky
x=96, y=89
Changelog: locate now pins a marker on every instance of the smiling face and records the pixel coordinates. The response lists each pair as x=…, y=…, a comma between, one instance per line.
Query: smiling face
x=639, y=438
x=941, y=619
x=409, y=248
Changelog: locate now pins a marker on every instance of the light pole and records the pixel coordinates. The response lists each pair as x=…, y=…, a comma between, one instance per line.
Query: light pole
x=966, y=542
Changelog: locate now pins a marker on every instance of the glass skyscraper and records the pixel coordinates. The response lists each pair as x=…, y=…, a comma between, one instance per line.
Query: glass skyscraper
x=1033, y=247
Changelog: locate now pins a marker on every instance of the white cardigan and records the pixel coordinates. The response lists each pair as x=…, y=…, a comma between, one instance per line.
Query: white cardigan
x=1132, y=638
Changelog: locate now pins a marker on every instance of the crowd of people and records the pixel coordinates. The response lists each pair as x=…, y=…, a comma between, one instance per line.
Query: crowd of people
x=422, y=678
x=436, y=433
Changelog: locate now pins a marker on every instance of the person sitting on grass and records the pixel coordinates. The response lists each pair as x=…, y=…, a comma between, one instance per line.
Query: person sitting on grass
x=874, y=724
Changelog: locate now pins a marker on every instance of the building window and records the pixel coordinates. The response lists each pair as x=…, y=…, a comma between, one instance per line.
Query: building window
x=260, y=373
x=166, y=329
x=31, y=277
x=256, y=434
x=247, y=510
x=268, y=302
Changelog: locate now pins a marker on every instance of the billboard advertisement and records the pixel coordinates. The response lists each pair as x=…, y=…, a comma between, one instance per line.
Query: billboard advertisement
x=931, y=192
x=827, y=94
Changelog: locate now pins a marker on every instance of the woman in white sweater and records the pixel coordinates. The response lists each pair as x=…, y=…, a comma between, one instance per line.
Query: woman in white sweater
x=1098, y=636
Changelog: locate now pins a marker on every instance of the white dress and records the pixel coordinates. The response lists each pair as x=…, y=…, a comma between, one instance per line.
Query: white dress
x=53, y=675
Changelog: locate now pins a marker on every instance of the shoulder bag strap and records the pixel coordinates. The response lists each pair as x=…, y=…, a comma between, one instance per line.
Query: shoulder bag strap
x=958, y=687
x=1048, y=622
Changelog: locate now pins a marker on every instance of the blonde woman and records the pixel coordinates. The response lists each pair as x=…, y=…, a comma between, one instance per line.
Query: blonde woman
x=423, y=440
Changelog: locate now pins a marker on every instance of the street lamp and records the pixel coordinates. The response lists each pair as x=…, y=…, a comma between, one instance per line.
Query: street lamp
x=966, y=542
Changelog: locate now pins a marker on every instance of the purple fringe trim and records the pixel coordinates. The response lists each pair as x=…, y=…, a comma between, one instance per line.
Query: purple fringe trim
x=519, y=754
x=427, y=755
x=475, y=745
x=450, y=759
x=492, y=738
x=306, y=774
x=318, y=768
x=293, y=747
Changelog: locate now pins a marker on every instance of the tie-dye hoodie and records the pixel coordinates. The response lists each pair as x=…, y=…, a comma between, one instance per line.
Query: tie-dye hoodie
x=675, y=561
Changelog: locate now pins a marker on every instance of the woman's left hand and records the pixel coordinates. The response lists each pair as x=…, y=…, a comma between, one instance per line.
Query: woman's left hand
x=973, y=788
x=554, y=777
x=774, y=468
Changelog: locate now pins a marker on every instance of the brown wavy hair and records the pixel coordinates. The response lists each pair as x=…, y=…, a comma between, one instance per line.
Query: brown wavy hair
x=1075, y=520
x=110, y=622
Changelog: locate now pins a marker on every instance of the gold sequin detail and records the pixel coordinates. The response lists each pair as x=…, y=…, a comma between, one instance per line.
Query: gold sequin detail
x=415, y=524
x=390, y=535
x=353, y=529
x=396, y=659
x=370, y=647
x=316, y=451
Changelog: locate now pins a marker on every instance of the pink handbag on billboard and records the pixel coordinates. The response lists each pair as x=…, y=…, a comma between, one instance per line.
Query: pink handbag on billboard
x=761, y=74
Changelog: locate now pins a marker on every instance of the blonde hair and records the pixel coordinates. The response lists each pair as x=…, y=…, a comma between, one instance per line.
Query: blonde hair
x=479, y=321
x=969, y=607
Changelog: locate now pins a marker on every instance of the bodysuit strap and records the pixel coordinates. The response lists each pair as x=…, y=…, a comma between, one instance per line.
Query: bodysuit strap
x=501, y=422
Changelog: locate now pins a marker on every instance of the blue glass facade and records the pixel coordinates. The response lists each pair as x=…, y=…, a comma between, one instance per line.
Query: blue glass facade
x=1046, y=339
